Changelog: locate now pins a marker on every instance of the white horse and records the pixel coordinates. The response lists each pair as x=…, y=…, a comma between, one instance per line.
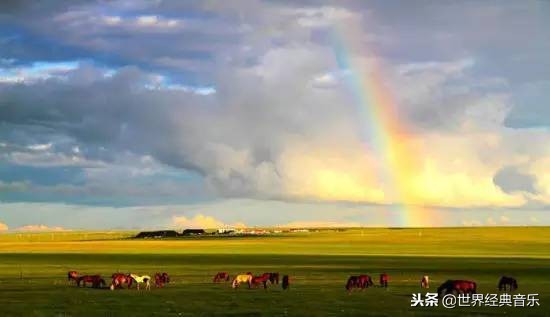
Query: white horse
x=425, y=283
x=242, y=278
x=142, y=279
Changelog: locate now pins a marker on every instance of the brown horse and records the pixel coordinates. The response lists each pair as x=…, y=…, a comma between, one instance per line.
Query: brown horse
x=72, y=275
x=457, y=286
x=384, y=280
x=365, y=281
x=118, y=279
x=262, y=279
x=507, y=282
x=353, y=282
x=273, y=277
x=359, y=281
x=286, y=282
x=221, y=276
x=161, y=279
x=96, y=281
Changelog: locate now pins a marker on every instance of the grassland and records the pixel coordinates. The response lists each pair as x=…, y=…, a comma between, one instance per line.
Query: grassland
x=33, y=268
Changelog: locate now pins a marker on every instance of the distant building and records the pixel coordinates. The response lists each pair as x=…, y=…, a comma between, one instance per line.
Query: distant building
x=299, y=230
x=193, y=232
x=225, y=230
x=156, y=234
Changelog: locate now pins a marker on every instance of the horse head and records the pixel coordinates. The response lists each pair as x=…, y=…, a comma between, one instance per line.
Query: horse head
x=352, y=281
x=446, y=286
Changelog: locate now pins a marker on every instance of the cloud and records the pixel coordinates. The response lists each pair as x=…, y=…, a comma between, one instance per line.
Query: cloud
x=202, y=221
x=504, y=219
x=471, y=223
x=3, y=227
x=38, y=228
x=321, y=224
x=510, y=179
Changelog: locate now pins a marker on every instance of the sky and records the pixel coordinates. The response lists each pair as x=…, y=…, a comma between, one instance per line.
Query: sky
x=175, y=114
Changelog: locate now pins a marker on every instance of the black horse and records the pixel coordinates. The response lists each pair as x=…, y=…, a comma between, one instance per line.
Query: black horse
x=286, y=282
x=507, y=282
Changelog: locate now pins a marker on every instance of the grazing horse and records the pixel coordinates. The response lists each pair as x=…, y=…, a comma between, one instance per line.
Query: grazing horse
x=143, y=279
x=273, y=277
x=161, y=279
x=425, y=282
x=457, y=286
x=118, y=279
x=221, y=276
x=262, y=279
x=364, y=281
x=507, y=281
x=384, y=280
x=353, y=282
x=242, y=278
x=72, y=275
x=96, y=281
x=286, y=282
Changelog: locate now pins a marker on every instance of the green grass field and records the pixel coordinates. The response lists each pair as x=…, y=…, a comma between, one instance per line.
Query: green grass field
x=33, y=271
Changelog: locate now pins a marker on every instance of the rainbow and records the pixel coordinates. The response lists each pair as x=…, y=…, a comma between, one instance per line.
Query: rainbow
x=384, y=133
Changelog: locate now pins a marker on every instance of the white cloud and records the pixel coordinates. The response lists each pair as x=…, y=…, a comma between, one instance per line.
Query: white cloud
x=3, y=227
x=156, y=21
x=112, y=20
x=38, y=228
x=40, y=147
x=504, y=219
x=471, y=223
x=202, y=221
x=321, y=224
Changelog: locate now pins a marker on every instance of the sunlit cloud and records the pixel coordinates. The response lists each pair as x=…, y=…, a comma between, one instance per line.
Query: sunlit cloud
x=202, y=221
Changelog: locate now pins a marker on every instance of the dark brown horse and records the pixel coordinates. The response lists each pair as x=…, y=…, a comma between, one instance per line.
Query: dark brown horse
x=286, y=282
x=457, y=286
x=273, y=277
x=118, y=279
x=384, y=280
x=161, y=279
x=96, y=281
x=507, y=282
x=354, y=282
x=365, y=281
x=72, y=275
x=262, y=279
x=221, y=276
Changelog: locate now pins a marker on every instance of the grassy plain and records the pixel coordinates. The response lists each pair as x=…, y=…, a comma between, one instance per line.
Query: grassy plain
x=33, y=269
